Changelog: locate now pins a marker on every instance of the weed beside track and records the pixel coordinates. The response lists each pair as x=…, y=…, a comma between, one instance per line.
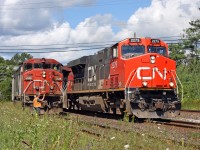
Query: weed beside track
x=23, y=130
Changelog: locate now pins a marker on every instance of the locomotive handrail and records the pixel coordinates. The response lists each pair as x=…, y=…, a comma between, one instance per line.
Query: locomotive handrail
x=46, y=82
x=41, y=87
x=129, y=82
x=177, y=84
x=64, y=87
x=27, y=87
x=180, y=84
x=59, y=87
x=129, y=78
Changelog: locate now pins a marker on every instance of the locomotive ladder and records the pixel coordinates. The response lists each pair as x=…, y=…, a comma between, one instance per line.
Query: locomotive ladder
x=127, y=82
x=177, y=84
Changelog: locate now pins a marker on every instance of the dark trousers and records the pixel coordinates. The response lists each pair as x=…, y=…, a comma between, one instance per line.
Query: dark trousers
x=37, y=110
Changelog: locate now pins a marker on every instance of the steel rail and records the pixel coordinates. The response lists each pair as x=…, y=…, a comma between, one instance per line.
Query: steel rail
x=191, y=111
x=178, y=123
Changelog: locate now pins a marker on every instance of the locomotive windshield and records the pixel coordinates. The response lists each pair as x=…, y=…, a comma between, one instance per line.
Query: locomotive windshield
x=129, y=51
x=157, y=49
x=56, y=66
x=37, y=65
x=47, y=66
x=28, y=66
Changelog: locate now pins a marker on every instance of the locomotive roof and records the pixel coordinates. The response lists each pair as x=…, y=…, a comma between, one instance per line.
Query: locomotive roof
x=78, y=61
x=83, y=60
x=40, y=60
x=66, y=68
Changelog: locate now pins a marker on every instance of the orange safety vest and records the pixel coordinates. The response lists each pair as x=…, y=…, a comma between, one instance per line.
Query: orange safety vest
x=36, y=103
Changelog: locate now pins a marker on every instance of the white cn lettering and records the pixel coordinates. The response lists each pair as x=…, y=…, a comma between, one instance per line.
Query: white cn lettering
x=139, y=73
x=163, y=76
x=91, y=73
x=154, y=70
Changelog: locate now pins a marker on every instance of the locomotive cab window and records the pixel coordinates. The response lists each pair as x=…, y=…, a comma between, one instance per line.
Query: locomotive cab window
x=157, y=49
x=37, y=65
x=129, y=51
x=28, y=66
x=46, y=66
x=56, y=66
x=114, y=52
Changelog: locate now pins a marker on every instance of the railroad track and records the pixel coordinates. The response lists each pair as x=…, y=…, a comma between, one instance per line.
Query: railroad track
x=169, y=122
x=190, y=111
x=178, y=123
x=102, y=127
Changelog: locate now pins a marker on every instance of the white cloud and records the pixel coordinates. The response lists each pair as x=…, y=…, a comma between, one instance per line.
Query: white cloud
x=90, y=30
x=162, y=18
x=24, y=17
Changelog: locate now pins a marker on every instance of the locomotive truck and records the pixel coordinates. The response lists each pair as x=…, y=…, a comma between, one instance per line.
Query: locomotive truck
x=40, y=76
x=134, y=75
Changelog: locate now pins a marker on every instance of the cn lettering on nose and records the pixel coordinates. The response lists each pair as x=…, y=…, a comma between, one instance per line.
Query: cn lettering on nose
x=154, y=70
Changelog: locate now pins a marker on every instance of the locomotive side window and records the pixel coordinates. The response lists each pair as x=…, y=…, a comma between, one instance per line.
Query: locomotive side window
x=114, y=52
x=28, y=66
x=129, y=51
x=157, y=49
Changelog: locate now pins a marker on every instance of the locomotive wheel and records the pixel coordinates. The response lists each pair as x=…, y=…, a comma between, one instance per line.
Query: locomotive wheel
x=114, y=111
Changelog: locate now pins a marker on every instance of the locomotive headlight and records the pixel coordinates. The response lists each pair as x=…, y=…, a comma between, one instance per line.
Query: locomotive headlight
x=171, y=84
x=43, y=74
x=144, y=83
x=153, y=59
x=51, y=87
x=58, y=79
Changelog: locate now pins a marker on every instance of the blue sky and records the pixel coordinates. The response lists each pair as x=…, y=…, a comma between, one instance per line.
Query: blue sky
x=121, y=10
x=33, y=23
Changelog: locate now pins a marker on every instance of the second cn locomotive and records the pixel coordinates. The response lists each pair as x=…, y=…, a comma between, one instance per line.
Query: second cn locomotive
x=134, y=75
x=40, y=76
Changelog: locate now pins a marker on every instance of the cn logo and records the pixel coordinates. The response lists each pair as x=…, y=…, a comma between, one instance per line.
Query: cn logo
x=155, y=70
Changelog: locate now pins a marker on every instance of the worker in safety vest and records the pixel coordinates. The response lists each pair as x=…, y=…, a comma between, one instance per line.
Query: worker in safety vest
x=37, y=103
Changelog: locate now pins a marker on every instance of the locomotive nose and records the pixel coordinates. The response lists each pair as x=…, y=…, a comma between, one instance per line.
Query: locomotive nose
x=47, y=82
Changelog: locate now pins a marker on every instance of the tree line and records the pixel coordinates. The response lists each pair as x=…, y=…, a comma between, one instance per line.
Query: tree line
x=187, y=56
x=6, y=72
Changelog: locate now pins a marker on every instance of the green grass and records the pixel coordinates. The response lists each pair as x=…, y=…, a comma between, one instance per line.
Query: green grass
x=191, y=104
x=21, y=130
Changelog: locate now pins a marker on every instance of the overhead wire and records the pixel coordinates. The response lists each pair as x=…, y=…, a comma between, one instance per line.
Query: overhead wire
x=84, y=43
x=58, y=50
x=67, y=46
x=60, y=6
x=72, y=50
x=58, y=44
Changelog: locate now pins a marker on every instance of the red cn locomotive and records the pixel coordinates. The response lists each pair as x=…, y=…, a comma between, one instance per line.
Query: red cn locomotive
x=134, y=75
x=44, y=76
